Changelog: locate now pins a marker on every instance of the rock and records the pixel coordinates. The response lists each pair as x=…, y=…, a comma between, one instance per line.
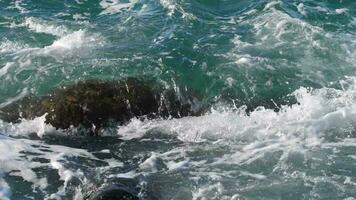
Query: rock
x=115, y=192
x=95, y=103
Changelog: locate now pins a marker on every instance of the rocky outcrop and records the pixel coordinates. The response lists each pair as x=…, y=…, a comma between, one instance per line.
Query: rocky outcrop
x=115, y=192
x=95, y=103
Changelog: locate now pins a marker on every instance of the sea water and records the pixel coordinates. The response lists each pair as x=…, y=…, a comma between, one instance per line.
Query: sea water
x=278, y=77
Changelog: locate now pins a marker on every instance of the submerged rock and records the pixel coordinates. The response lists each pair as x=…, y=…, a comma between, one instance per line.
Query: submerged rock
x=115, y=192
x=95, y=103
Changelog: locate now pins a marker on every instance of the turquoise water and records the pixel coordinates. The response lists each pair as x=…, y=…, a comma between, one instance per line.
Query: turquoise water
x=278, y=76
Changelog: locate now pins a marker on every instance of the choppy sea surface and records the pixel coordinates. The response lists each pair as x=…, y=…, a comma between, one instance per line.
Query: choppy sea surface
x=279, y=78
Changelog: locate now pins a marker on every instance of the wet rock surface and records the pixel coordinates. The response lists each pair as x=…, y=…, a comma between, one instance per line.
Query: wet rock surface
x=95, y=103
x=115, y=192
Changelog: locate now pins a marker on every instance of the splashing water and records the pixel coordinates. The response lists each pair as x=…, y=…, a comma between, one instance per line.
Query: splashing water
x=277, y=76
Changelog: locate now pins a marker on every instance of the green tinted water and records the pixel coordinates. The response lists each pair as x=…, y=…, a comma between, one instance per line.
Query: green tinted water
x=232, y=53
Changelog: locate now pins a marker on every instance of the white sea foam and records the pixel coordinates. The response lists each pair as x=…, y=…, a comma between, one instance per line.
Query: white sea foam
x=175, y=166
x=275, y=22
x=321, y=9
x=301, y=9
x=279, y=37
x=78, y=17
x=150, y=164
x=243, y=60
x=8, y=101
x=74, y=44
x=5, y=191
x=68, y=43
x=19, y=5
x=111, y=7
x=41, y=26
x=341, y=10
x=7, y=46
x=169, y=5
x=240, y=139
x=27, y=128
x=18, y=161
x=73, y=41
x=130, y=174
x=318, y=111
x=4, y=69
x=172, y=7
x=249, y=137
x=212, y=191
x=293, y=131
x=79, y=1
x=271, y=4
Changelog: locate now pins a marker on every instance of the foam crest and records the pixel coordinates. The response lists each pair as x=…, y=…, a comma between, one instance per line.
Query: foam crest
x=74, y=44
x=7, y=46
x=5, y=69
x=8, y=101
x=19, y=5
x=41, y=26
x=301, y=9
x=274, y=25
x=77, y=43
x=111, y=7
x=172, y=7
x=341, y=10
x=27, y=128
x=294, y=130
x=73, y=41
x=318, y=111
x=169, y=5
x=279, y=41
x=271, y=4
x=260, y=145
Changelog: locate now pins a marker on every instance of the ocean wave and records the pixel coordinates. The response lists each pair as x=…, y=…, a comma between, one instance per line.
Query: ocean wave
x=41, y=26
x=116, y=6
x=80, y=39
x=317, y=112
x=279, y=42
x=172, y=7
x=8, y=46
x=77, y=43
x=258, y=53
x=19, y=5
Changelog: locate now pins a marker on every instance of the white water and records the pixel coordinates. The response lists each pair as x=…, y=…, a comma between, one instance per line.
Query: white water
x=318, y=111
x=299, y=129
x=111, y=7
x=79, y=43
x=41, y=26
x=19, y=161
x=224, y=154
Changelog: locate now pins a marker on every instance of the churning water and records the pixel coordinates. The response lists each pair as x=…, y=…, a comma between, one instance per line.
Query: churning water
x=278, y=77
